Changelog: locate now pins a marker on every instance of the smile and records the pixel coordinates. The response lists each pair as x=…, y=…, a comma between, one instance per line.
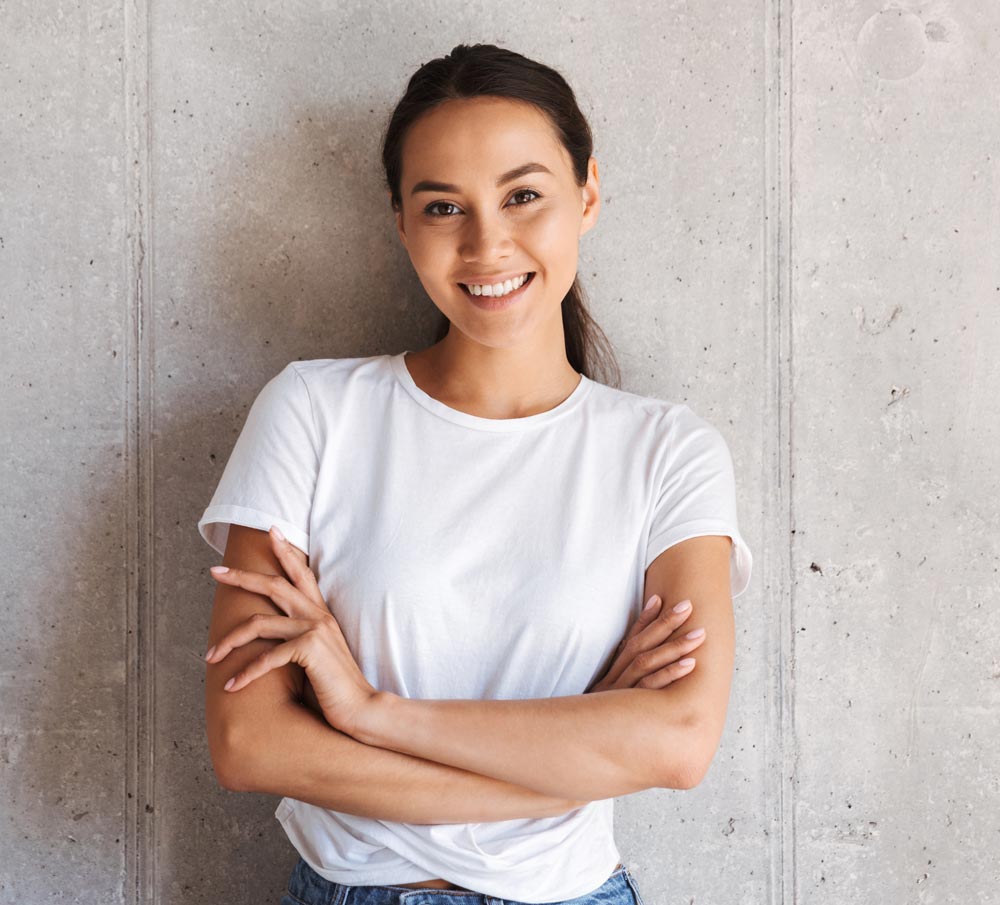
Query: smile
x=498, y=290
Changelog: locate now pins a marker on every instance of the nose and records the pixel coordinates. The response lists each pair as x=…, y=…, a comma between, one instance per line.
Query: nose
x=485, y=239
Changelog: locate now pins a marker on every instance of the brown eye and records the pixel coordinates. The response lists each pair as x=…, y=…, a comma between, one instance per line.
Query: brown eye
x=526, y=192
x=430, y=209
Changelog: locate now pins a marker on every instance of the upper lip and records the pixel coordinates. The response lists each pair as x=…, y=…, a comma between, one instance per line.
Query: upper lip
x=490, y=280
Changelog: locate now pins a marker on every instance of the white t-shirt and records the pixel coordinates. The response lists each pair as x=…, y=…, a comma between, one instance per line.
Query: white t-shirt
x=469, y=557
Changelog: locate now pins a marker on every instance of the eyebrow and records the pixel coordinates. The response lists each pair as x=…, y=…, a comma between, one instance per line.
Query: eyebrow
x=428, y=185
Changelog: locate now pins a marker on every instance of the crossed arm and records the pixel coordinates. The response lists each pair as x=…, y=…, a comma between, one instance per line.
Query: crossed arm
x=471, y=760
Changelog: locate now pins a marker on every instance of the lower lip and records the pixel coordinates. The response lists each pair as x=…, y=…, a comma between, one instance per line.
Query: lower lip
x=492, y=303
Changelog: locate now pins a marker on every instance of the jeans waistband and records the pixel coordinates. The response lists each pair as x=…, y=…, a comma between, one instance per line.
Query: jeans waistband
x=307, y=887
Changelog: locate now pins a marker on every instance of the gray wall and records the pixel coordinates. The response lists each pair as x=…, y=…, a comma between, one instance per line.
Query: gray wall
x=799, y=239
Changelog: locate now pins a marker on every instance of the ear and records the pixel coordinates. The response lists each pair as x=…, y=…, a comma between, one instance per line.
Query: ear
x=399, y=221
x=590, y=197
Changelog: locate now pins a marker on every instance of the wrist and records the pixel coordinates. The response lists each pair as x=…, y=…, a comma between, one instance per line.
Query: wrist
x=375, y=718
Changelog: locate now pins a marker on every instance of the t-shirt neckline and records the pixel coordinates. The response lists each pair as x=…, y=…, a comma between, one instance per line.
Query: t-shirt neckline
x=571, y=402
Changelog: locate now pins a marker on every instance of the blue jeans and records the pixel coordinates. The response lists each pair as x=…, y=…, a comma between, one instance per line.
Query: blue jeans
x=306, y=887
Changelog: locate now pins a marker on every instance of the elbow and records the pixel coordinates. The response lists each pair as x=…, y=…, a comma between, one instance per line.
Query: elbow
x=687, y=764
x=693, y=775
x=684, y=775
x=224, y=751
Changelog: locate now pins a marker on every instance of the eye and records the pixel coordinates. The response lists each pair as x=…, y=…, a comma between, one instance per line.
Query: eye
x=429, y=210
x=432, y=209
x=526, y=192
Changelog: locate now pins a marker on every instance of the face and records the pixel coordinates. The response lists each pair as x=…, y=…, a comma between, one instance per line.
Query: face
x=467, y=217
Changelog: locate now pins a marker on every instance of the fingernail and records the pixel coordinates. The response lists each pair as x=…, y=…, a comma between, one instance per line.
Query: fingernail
x=687, y=661
x=211, y=651
x=229, y=684
x=682, y=606
x=650, y=603
x=277, y=532
x=218, y=570
x=697, y=633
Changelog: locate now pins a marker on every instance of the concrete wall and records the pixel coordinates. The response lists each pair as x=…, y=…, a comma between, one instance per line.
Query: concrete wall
x=800, y=239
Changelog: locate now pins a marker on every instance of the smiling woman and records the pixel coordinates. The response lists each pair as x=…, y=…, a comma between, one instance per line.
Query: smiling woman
x=468, y=218
x=467, y=676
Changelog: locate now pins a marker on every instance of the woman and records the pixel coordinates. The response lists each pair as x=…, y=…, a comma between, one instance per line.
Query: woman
x=483, y=521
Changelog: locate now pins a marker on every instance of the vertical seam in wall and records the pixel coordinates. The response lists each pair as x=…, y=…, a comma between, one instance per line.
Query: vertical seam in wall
x=139, y=849
x=781, y=748
x=790, y=743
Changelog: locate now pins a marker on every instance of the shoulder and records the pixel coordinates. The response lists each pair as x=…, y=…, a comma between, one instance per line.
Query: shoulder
x=325, y=381
x=613, y=402
x=663, y=423
x=317, y=370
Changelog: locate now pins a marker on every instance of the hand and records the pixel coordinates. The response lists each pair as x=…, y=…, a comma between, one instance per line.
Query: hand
x=309, y=700
x=644, y=659
x=313, y=638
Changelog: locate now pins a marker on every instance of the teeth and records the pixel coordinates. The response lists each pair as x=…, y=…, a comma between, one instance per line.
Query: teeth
x=498, y=289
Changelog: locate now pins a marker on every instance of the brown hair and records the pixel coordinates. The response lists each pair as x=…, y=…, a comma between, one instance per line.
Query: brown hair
x=487, y=70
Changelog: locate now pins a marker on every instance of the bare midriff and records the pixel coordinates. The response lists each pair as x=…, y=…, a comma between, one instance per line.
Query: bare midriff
x=444, y=884
x=431, y=884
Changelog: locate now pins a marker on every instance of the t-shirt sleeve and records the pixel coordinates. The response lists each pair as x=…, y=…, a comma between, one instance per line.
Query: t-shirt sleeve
x=697, y=495
x=270, y=477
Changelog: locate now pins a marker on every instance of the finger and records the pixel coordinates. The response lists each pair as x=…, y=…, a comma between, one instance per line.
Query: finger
x=287, y=596
x=627, y=647
x=647, y=662
x=293, y=561
x=659, y=613
x=649, y=612
x=663, y=677
x=259, y=625
x=666, y=621
x=259, y=666
x=654, y=624
x=294, y=551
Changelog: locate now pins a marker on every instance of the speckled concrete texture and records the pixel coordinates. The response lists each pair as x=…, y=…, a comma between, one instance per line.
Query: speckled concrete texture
x=800, y=238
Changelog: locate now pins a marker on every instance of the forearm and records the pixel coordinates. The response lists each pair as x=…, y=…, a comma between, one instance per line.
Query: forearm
x=299, y=755
x=584, y=747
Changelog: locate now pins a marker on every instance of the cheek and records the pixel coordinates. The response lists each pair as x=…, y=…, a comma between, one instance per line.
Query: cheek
x=555, y=233
x=427, y=250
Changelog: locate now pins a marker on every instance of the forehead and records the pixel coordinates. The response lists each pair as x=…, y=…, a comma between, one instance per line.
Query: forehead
x=476, y=139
